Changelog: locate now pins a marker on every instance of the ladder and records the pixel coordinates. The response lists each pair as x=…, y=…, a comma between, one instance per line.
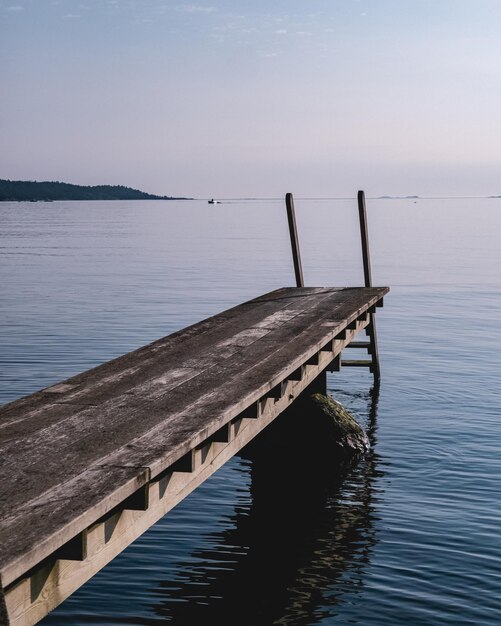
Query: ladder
x=371, y=345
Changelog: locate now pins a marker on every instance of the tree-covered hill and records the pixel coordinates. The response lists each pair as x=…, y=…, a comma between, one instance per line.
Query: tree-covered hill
x=27, y=190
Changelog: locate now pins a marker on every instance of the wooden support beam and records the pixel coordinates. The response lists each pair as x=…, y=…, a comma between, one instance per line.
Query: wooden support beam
x=277, y=392
x=329, y=346
x=313, y=360
x=335, y=365
x=185, y=464
x=297, y=375
x=319, y=384
x=73, y=550
x=251, y=412
x=223, y=435
x=138, y=501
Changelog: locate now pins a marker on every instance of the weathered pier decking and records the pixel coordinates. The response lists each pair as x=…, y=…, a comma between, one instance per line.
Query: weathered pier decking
x=90, y=463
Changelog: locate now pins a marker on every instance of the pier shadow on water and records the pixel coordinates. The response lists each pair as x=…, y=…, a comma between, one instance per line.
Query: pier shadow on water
x=291, y=556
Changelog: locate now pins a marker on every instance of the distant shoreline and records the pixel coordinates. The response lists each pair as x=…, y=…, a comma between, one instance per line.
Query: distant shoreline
x=92, y=199
x=51, y=191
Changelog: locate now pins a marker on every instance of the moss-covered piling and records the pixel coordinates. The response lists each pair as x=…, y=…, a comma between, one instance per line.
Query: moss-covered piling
x=342, y=431
x=316, y=430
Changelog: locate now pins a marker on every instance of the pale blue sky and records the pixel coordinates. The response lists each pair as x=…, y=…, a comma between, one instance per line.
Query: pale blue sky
x=220, y=98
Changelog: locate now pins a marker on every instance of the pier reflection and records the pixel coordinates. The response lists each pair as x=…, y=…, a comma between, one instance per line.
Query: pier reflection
x=302, y=544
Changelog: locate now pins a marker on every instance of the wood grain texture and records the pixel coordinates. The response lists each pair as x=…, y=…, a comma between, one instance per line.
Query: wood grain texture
x=74, y=451
x=47, y=585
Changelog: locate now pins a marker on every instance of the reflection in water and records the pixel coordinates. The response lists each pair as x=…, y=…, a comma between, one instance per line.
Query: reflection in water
x=305, y=539
x=122, y=274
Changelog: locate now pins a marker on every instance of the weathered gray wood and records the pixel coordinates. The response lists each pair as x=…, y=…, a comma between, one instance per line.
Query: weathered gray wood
x=91, y=420
x=78, y=449
x=77, y=435
x=261, y=369
x=39, y=527
x=43, y=588
x=121, y=417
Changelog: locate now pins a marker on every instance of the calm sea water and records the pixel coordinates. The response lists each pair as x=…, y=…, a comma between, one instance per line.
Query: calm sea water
x=412, y=534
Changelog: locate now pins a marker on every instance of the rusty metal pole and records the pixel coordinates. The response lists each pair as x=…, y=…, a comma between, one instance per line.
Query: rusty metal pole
x=362, y=214
x=296, y=256
x=371, y=328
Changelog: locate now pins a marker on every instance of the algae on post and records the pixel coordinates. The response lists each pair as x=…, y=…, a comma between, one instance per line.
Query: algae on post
x=337, y=425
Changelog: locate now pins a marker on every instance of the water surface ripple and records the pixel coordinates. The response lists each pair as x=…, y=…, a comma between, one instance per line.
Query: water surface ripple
x=410, y=535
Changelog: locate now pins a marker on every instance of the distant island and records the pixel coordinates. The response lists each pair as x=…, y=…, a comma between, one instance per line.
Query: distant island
x=32, y=191
x=398, y=197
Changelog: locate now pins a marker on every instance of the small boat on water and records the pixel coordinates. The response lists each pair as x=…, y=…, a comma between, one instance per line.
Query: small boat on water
x=212, y=201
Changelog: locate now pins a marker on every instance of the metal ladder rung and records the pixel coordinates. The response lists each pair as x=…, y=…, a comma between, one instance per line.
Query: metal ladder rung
x=359, y=344
x=350, y=363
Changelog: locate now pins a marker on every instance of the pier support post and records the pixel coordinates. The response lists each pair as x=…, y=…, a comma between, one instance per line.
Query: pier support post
x=319, y=385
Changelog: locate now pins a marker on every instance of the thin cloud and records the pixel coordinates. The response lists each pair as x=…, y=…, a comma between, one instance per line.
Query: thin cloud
x=195, y=8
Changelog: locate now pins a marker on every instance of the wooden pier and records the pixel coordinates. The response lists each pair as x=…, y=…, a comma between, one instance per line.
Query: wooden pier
x=90, y=463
